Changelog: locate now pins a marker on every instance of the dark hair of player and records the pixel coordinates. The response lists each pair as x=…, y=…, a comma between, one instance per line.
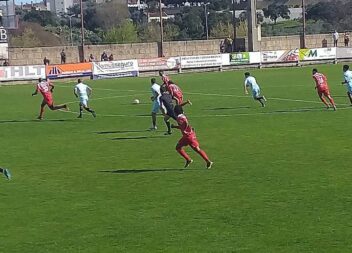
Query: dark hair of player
x=79, y=80
x=163, y=88
x=314, y=71
x=161, y=73
x=153, y=80
x=178, y=110
x=346, y=67
x=40, y=79
x=247, y=74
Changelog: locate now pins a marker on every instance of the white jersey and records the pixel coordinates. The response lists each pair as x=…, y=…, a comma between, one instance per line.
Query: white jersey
x=252, y=83
x=348, y=77
x=156, y=91
x=82, y=90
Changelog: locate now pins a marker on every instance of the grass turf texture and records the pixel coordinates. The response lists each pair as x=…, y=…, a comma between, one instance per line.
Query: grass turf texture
x=281, y=181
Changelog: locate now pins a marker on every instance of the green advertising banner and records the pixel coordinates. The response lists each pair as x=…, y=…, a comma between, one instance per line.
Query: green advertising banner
x=239, y=58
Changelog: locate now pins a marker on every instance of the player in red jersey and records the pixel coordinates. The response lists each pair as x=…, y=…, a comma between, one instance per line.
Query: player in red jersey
x=46, y=89
x=321, y=85
x=189, y=138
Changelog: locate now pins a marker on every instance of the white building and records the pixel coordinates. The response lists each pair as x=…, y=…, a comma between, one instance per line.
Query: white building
x=59, y=6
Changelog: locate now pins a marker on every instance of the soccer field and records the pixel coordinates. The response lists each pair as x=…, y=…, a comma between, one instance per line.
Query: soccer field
x=281, y=180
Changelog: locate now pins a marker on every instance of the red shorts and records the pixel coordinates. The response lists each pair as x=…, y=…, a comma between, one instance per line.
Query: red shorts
x=48, y=99
x=324, y=92
x=188, y=141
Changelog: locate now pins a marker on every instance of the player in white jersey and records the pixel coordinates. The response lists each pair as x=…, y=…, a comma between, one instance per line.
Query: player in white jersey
x=251, y=82
x=347, y=76
x=156, y=102
x=83, y=91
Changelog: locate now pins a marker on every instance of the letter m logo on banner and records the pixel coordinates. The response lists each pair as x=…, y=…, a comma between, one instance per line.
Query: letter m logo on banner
x=313, y=54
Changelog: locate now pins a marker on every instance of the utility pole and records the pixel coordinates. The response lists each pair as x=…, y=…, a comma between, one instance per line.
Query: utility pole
x=206, y=20
x=234, y=2
x=303, y=45
x=252, y=26
x=161, y=30
x=82, y=32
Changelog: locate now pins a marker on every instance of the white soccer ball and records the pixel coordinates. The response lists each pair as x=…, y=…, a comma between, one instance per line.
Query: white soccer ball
x=135, y=102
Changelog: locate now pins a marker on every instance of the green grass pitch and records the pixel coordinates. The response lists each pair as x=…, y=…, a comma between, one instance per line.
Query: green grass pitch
x=281, y=180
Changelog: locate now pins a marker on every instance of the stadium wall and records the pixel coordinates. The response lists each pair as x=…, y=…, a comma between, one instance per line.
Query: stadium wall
x=34, y=56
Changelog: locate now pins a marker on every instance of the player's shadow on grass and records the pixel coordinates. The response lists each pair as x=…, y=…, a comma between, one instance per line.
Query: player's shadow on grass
x=136, y=171
x=227, y=108
x=137, y=138
x=122, y=131
x=36, y=120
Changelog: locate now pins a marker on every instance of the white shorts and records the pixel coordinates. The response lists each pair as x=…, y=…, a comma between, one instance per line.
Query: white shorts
x=256, y=93
x=83, y=101
x=349, y=88
x=156, y=106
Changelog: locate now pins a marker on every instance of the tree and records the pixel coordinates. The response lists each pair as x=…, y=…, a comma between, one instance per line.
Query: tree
x=27, y=39
x=125, y=33
x=171, y=32
x=190, y=23
x=222, y=30
x=274, y=11
x=149, y=32
x=42, y=17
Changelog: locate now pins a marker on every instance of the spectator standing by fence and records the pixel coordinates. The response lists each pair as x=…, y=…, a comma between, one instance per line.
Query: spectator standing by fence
x=111, y=57
x=346, y=39
x=335, y=37
x=104, y=56
x=63, y=56
x=46, y=61
x=91, y=58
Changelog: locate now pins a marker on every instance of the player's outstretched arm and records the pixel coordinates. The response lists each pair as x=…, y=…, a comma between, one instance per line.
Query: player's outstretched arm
x=35, y=92
x=75, y=92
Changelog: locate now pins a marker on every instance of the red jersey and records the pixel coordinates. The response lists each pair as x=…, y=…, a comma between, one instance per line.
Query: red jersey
x=321, y=81
x=175, y=91
x=165, y=79
x=186, y=129
x=45, y=88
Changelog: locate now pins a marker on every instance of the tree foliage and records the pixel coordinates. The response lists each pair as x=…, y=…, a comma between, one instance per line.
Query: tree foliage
x=275, y=11
x=27, y=39
x=124, y=33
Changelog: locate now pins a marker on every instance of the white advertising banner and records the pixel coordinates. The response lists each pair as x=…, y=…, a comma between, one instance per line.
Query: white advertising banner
x=279, y=56
x=254, y=57
x=201, y=61
x=317, y=54
x=114, y=69
x=155, y=64
x=14, y=73
x=344, y=52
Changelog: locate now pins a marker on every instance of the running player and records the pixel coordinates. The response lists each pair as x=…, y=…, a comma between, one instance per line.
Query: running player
x=176, y=93
x=188, y=138
x=6, y=173
x=347, y=74
x=321, y=85
x=46, y=89
x=164, y=77
x=167, y=107
x=251, y=82
x=83, y=91
x=156, y=102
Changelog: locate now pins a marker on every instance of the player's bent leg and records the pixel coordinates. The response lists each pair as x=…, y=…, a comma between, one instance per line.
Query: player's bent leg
x=349, y=94
x=323, y=100
x=41, y=113
x=168, y=124
x=57, y=107
x=182, y=152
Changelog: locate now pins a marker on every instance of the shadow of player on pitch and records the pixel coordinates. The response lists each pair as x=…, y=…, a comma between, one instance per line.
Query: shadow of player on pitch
x=36, y=120
x=137, y=138
x=136, y=171
x=122, y=131
x=227, y=108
